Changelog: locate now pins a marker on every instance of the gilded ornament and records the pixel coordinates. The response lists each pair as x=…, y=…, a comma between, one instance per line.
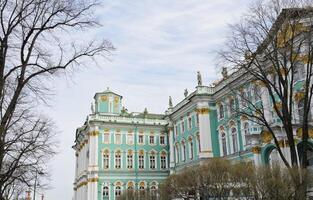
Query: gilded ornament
x=104, y=98
x=266, y=137
x=256, y=150
x=203, y=111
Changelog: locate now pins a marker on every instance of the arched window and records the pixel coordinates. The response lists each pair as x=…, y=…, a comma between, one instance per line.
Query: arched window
x=118, y=191
x=224, y=145
x=152, y=160
x=118, y=160
x=163, y=160
x=141, y=160
x=105, y=192
x=234, y=139
x=153, y=189
x=106, y=159
x=246, y=130
x=257, y=93
x=130, y=159
x=142, y=188
x=232, y=106
x=244, y=99
x=301, y=109
x=221, y=111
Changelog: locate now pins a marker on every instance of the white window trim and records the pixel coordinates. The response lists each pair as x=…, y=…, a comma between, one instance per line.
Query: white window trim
x=109, y=134
x=161, y=162
x=121, y=159
x=143, y=139
x=105, y=185
x=121, y=135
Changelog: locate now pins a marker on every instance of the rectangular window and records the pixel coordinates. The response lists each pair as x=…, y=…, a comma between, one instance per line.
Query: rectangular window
x=163, y=162
x=176, y=130
x=118, y=139
x=151, y=139
x=189, y=123
x=197, y=119
x=118, y=161
x=152, y=162
x=140, y=139
x=106, y=138
x=162, y=140
x=141, y=162
x=183, y=126
x=129, y=161
x=106, y=161
x=130, y=139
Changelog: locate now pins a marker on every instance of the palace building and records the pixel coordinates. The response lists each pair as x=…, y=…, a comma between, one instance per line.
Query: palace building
x=117, y=150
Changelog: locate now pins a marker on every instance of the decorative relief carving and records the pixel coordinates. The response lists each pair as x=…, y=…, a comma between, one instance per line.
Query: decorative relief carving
x=203, y=111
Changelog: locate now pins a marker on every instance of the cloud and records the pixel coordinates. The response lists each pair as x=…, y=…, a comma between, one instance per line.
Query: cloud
x=160, y=46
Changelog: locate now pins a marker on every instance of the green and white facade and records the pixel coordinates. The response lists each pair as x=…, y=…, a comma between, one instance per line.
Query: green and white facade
x=117, y=150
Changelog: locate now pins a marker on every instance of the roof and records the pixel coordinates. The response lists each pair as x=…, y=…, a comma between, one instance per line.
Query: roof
x=107, y=91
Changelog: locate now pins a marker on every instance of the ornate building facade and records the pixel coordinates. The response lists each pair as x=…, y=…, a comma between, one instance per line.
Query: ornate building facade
x=117, y=150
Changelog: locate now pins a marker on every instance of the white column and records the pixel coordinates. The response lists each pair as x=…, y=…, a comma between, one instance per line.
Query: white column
x=92, y=185
x=171, y=143
x=204, y=131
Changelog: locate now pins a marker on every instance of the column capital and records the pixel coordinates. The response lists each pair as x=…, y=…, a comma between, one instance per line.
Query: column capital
x=203, y=111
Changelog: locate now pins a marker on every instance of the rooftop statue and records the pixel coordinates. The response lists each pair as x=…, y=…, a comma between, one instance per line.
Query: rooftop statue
x=199, y=79
x=170, y=103
x=186, y=92
x=92, y=108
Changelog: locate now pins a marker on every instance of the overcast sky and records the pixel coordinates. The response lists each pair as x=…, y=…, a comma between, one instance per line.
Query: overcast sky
x=160, y=47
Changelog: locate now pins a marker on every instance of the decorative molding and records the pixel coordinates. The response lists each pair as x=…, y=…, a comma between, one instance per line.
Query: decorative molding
x=256, y=150
x=203, y=111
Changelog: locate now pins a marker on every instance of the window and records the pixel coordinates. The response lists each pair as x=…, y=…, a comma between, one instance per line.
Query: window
x=140, y=139
x=141, y=189
x=151, y=139
x=246, y=128
x=224, y=147
x=130, y=139
x=221, y=109
x=129, y=160
x=118, y=191
x=244, y=99
x=118, y=138
x=191, y=149
x=106, y=161
x=232, y=106
x=162, y=140
x=153, y=190
x=163, y=161
x=141, y=161
x=152, y=161
x=189, y=123
x=183, y=126
x=105, y=192
x=176, y=130
x=117, y=160
x=256, y=93
x=234, y=139
x=106, y=138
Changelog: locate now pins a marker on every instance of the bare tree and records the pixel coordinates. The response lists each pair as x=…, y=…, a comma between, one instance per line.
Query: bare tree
x=271, y=48
x=36, y=45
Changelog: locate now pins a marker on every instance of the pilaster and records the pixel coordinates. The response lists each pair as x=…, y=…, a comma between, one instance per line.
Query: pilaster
x=204, y=130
